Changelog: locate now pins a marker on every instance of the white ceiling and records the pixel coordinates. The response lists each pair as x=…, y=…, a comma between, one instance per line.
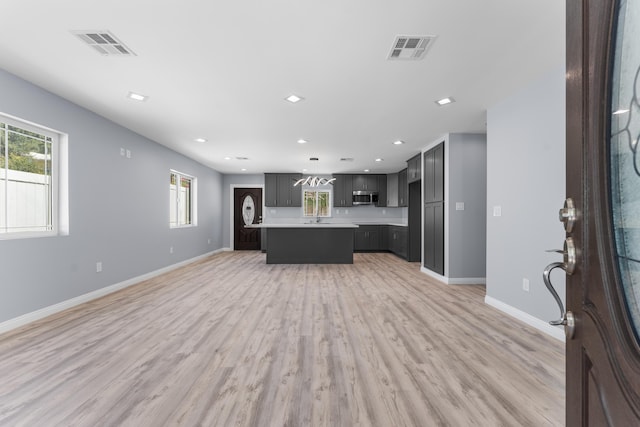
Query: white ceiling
x=221, y=70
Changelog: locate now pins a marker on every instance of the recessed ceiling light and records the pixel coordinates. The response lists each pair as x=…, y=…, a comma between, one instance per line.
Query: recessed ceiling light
x=200, y=140
x=398, y=142
x=379, y=160
x=137, y=96
x=243, y=169
x=621, y=111
x=304, y=170
x=302, y=141
x=366, y=170
x=294, y=98
x=445, y=101
x=227, y=158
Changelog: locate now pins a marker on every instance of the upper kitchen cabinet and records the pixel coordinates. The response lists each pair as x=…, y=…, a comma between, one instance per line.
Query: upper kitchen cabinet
x=382, y=191
x=403, y=189
x=365, y=182
x=280, y=192
x=392, y=190
x=434, y=174
x=343, y=191
x=414, y=169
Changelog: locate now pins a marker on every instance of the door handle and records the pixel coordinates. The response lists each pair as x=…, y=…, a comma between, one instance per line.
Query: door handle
x=566, y=317
x=568, y=265
x=547, y=282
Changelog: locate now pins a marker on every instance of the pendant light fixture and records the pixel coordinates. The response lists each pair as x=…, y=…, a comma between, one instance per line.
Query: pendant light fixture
x=315, y=180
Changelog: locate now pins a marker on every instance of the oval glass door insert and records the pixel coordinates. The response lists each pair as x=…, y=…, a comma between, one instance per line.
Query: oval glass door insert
x=624, y=154
x=248, y=210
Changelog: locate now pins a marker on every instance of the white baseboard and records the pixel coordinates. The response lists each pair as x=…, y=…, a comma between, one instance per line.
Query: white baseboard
x=555, y=331
x=455, y=280
x=27, y=318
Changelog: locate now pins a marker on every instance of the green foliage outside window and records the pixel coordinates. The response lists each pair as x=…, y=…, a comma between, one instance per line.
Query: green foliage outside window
x=316, y=203
x=26, y=151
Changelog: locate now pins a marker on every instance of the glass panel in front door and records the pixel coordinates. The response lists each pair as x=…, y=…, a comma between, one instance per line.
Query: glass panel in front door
x=624, y=153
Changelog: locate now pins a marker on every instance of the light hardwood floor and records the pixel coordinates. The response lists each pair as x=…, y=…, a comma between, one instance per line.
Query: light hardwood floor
x=231, y=341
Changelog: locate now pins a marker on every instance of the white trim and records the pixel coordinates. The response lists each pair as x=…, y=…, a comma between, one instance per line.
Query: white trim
x=231, y=188
x=555, y=331
x=455, y=280
x=27, y=318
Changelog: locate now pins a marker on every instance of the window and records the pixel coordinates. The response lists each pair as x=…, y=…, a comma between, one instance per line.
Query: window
x=28, y=179
x=317, y=203
x=181, y=200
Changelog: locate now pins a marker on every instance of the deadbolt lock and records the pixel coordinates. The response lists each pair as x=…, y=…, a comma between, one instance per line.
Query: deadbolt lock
x=568, y=215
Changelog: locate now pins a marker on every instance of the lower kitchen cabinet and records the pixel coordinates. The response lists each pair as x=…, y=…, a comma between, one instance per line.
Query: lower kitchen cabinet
x=434, y=237
x=398, y=240
x=368, y=238
x=381, y=238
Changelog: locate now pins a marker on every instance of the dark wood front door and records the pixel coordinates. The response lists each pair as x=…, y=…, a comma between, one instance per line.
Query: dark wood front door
x=247, y=209
x=603, y=179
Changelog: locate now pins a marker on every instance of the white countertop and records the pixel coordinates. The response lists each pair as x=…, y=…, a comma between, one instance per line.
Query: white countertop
x=397, y=224
x=303, y=225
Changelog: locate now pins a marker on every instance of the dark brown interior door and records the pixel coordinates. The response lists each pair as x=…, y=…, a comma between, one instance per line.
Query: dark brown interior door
x=247, y=209
x=603, y=356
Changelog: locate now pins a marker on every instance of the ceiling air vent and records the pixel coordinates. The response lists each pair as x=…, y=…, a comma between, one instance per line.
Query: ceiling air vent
x=104, y=43
x=346, y=159
x=410, y=47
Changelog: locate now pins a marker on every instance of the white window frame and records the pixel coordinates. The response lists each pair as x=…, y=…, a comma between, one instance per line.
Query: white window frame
x=177, y=203
x=315, y=210
x=58, y=199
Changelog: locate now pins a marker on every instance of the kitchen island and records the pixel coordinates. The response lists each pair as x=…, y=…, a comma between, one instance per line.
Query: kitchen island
x=314, y=243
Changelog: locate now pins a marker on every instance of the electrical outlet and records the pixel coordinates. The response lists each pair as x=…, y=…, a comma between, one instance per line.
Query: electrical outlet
x=98, y=266
x=525, y=285
x=384, y=211
x=208, y=241
x=170, y=249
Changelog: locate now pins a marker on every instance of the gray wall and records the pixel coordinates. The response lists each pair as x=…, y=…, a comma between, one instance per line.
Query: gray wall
x=118, y=208
x=467, y=164
x=526, y=178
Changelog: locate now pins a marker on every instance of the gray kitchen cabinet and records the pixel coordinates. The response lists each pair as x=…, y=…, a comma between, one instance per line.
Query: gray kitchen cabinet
x=434, y=237
x=280, y=192
x=397, y=240
x=367, y=238
x=392, y=190
x=434, y=174
x=403, y=189
x=414, y=169
x=382, y=191
x=365, y=182
x=343, y=191
x=433, y=226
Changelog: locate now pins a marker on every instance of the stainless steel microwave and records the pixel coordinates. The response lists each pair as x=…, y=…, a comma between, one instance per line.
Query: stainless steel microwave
x=365, y=198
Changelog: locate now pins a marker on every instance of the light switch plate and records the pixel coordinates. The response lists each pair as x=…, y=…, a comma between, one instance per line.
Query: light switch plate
x=497, y=211
x=459, y=206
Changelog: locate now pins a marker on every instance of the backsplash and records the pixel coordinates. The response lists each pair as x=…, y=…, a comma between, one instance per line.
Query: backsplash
x=356, y=214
